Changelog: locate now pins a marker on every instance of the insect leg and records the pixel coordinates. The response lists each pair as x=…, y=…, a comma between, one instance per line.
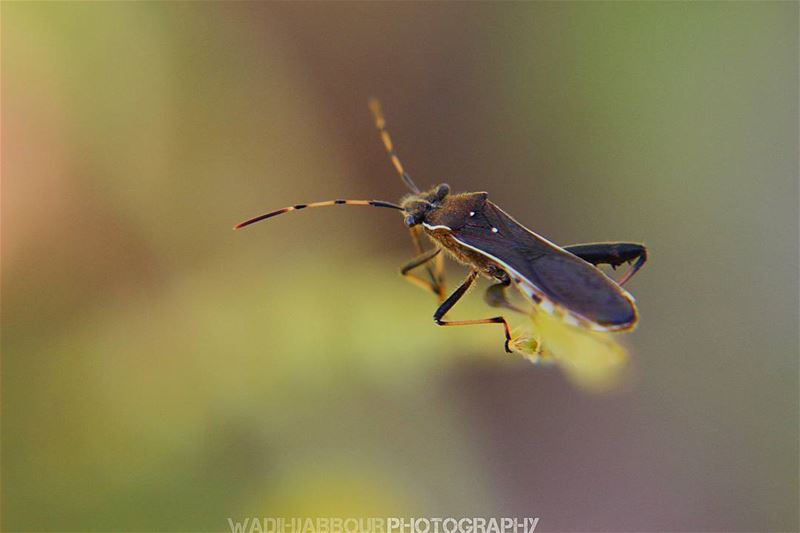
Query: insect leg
x=612, y=253
x=455, y=297
x=423, y=259
x=437, y=272
x=495, y=296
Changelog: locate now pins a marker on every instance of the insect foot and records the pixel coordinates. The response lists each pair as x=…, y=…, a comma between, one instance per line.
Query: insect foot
x=527, y=346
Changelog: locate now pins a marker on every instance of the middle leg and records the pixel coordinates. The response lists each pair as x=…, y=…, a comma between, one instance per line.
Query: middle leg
x=495, y=296
x=455, y=297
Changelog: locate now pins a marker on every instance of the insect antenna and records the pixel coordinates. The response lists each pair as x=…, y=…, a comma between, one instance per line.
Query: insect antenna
x=380, y=123
x=297, y=207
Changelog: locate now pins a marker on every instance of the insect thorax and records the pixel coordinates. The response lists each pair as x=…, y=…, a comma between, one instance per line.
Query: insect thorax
x=465, y=256
x=456, y=210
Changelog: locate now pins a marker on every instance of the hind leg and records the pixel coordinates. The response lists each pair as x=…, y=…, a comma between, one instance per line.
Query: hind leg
x=612, y=253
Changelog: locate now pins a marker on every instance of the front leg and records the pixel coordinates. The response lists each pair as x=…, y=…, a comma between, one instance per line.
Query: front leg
x=423, y=259
x=455, y=297
x=612, y=253
x=435, y=273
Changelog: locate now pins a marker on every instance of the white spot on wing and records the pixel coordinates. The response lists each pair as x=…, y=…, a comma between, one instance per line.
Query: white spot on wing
x=494, y=230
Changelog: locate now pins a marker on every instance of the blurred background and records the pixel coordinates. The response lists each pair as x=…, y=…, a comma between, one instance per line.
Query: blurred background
x=163, y=373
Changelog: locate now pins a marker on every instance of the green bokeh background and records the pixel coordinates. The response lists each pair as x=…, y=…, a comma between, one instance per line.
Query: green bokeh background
x=162, y=373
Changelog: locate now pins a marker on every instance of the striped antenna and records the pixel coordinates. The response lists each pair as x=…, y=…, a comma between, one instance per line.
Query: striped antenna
x=380, y=123
x=369, y=203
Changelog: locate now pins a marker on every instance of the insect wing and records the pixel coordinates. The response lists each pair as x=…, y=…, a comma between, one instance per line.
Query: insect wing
x=547, y=272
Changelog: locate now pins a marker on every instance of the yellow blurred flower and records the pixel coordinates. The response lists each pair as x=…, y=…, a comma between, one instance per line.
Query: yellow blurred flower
x=592, y=360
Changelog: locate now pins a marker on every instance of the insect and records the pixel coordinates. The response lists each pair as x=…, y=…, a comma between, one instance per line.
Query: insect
x=564, y=281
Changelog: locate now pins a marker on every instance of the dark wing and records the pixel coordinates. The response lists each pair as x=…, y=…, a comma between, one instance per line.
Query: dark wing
x=547, y=271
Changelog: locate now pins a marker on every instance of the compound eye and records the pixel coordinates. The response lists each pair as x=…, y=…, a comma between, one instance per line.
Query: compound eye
x=442, y=191
x=411, y=220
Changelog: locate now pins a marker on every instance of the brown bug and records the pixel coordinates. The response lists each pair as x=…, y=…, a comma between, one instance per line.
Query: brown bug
x=477, y=233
